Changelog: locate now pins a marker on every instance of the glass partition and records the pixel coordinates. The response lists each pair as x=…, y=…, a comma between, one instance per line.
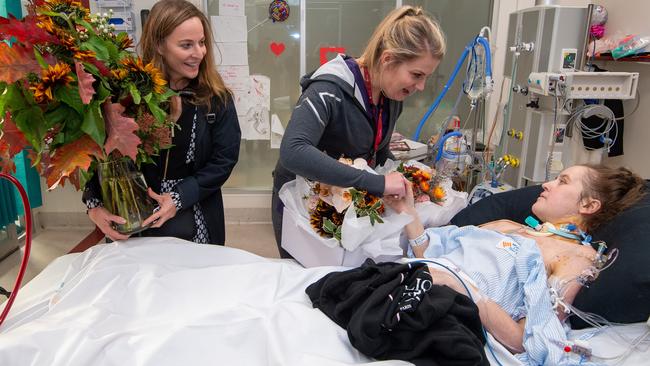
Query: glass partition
x=330, y=26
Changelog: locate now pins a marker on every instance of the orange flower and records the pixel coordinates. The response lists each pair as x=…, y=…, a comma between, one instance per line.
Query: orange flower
x=424, y=185
x=438, y=193
x=58, y=74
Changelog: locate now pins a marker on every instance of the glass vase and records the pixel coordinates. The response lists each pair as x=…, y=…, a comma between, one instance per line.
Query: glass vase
x=124, y=193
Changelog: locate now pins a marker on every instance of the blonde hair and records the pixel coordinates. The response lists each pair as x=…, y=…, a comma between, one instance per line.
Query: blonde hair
x=406, y=33
x=164, y=17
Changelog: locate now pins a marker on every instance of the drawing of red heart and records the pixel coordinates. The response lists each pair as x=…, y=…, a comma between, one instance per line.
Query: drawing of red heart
x=277, y=48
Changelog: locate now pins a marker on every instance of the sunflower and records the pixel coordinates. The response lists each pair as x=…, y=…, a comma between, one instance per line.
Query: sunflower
x=148, y=71
x=68, y=7
x=45, y=22
x=371, y=199
x=84, y=55
x=119, y=74
x=56, y=75
x=324, y=210
x=123, y=41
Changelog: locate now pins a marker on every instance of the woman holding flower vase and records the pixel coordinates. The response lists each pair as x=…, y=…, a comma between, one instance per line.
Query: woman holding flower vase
x=186, y=179
x=348, y=108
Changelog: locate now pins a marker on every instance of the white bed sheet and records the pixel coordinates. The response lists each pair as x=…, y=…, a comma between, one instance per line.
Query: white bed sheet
x=164, y=301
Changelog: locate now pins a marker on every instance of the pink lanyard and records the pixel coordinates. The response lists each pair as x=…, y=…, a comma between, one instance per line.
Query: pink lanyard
x=376, y=113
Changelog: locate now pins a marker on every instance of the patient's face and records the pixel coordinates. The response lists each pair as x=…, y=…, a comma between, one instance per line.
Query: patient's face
x=560, y=200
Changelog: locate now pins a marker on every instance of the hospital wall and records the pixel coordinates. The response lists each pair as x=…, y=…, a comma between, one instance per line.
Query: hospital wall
x=63, y=206
x=632, y=18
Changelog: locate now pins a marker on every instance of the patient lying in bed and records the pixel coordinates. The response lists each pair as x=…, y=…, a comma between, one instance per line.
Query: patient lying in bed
x=509, y=268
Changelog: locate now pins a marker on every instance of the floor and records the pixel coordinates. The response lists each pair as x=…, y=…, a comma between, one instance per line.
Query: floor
x=52, y=243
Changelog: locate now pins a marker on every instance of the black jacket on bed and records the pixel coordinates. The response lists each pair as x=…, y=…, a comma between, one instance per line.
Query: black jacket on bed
x=392, y=311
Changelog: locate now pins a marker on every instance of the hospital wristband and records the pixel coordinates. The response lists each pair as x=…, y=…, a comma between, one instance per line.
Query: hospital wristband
x=420, y=240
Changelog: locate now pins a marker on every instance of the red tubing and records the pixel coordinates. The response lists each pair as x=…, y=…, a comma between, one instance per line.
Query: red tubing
x=28, y=244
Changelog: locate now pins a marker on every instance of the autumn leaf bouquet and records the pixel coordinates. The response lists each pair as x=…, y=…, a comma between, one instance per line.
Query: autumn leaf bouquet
x=321, y=219
x=73, y=92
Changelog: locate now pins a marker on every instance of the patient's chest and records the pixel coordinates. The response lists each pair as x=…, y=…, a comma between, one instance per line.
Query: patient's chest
x=498, y=264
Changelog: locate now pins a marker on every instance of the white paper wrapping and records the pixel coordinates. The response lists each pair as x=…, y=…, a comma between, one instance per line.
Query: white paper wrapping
x=375, y=241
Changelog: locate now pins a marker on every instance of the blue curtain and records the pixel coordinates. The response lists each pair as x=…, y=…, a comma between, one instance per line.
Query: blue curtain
x=8, y=212
x=11, y=205
x=12, y=7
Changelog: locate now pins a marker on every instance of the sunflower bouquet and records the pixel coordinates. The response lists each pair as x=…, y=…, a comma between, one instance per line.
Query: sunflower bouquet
x=328, y=206
x=73, y=92
x=329, y=225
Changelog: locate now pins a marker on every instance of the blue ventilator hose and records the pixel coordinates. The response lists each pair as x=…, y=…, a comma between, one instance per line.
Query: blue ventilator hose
x=441, y=145
x=488, y=72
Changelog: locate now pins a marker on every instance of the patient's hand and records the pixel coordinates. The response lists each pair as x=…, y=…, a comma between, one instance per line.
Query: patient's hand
x=402, y=204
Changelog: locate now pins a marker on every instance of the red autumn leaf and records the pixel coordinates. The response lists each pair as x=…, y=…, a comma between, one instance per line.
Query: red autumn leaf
x=7, y=164
x=12, y=136
x=25, y=31
x=120, y=131
x=86, y=80
x=101, y=67
x=71, y=157
x=16, y=61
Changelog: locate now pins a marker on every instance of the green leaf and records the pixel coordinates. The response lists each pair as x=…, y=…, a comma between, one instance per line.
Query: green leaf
x=167, y=94
x=39, y=59
x=147, y=98
x=329, y=226
x=31, y=122
x=102, y=93
x=156, y=111
x=85, y=176
x=93, y=123
x=92, y=69
x=69, y=95
x=3, y=87
x=58, y=139
x=59, y=114
x=72, y=135
x=13, y=99
x=134, y=93
x=97, y=45
x=113, y=51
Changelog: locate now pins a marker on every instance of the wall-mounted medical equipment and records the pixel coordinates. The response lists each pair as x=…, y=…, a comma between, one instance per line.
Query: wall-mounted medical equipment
x=547, y=87
x=584, y=85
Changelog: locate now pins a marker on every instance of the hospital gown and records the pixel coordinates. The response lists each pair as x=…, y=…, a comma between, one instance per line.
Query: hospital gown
x=510, y=271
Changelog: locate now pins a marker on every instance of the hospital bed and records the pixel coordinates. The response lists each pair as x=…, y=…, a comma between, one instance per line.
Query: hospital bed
x=164, y=301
